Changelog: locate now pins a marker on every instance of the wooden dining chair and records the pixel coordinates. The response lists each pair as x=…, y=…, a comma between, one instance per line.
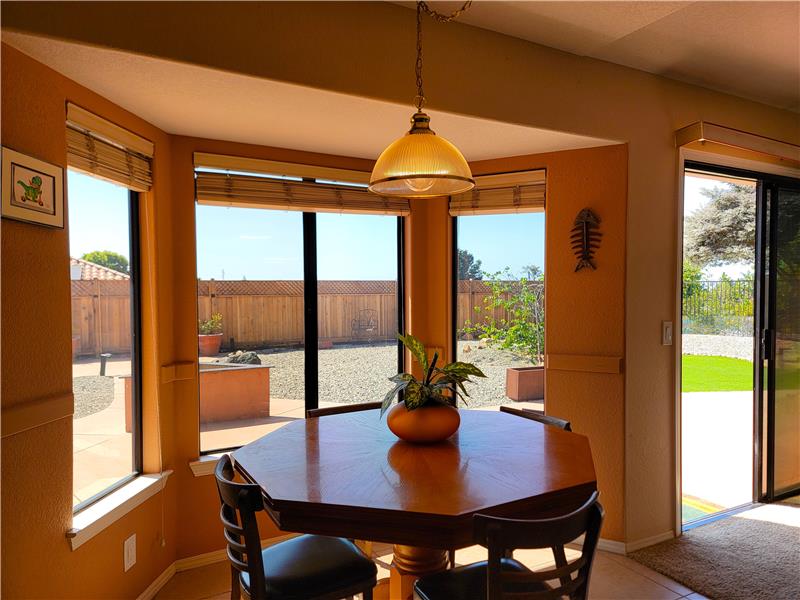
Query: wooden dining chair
x=312, y=567
x=534, y=415
x=344, y=408
x=500, y=577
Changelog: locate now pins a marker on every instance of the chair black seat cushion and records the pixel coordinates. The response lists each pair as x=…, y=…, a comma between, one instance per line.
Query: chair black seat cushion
x=468, y=582
x=312, y=565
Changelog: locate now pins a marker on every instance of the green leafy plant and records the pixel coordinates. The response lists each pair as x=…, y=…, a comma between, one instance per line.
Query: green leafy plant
x=210, y=326
x=520, y=302
x=439, y=385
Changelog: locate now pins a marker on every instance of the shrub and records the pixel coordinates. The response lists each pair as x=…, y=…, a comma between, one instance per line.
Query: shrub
x=522, y=300
x=210, y=326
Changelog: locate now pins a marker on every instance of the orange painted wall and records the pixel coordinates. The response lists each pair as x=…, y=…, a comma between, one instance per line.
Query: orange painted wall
x=37, y=462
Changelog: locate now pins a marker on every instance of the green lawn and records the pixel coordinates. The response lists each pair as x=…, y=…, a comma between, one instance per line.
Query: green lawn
x=716, y=374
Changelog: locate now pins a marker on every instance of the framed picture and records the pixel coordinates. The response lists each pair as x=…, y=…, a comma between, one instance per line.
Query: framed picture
x=33, y=190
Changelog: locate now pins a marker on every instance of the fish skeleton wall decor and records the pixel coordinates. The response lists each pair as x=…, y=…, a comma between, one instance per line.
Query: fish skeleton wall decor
x=585, y=238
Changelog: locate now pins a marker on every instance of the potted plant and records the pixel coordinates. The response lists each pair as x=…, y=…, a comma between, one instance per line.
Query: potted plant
x=428, y=411
x=521, y=332
x=209, y=337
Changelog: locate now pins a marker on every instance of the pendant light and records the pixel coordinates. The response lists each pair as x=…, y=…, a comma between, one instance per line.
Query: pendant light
x=422, y=164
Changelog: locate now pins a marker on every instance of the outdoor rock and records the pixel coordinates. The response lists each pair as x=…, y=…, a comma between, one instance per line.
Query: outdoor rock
x=244, y=358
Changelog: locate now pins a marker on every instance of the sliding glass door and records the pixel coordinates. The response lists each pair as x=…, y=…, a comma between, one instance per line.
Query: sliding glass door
x=782, y=340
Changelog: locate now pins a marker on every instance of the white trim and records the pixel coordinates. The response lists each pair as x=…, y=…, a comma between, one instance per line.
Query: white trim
x=624, y=548
x=159, y=582
x=649, y=541
x=100, y=515
x=723, y=160
x=677, y=340
x=195, y=562
x=205, y=465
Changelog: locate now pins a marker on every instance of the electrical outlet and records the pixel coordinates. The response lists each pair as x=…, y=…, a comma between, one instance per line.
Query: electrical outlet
x=129, y=552
x=666, y=333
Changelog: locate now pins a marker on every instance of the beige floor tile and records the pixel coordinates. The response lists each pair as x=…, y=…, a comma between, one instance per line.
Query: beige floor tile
x=650, y=574
x=196, y=584
x=613, y=581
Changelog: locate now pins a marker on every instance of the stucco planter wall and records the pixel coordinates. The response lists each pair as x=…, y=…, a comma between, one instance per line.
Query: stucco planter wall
x=525, y=383
x=228, y=392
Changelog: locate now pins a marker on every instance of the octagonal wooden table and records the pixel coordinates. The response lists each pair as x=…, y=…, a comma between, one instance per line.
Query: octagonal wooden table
x=347, y=475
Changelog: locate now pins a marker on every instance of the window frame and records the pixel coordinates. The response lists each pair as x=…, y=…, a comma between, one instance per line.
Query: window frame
x=311, y=317
x=136, y=355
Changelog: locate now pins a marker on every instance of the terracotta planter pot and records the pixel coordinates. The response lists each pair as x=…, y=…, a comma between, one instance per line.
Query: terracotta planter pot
x=525, y=383
x=425, y=425
x=208, y=345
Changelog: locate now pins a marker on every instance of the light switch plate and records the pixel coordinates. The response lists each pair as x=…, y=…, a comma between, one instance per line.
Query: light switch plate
x=129, y=552
x=666, y=333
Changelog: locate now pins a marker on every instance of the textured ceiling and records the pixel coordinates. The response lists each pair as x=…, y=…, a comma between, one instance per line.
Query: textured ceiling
x=197, y=101
x=749, y=49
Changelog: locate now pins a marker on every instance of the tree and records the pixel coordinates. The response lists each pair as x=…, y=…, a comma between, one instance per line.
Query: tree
x=532, y=273
x=724, y=230
x=108, y=259
x=468, y=267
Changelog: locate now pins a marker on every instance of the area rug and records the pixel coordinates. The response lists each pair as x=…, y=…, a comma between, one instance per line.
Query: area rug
x=753, y=555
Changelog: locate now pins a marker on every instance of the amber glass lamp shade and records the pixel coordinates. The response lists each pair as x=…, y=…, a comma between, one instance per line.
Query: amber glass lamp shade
x=421, y=164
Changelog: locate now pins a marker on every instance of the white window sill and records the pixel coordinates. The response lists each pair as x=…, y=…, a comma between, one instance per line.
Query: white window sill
x=206, y=464
x=100, y=515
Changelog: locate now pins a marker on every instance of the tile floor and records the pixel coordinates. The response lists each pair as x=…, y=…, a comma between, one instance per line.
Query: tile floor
x=614, y=577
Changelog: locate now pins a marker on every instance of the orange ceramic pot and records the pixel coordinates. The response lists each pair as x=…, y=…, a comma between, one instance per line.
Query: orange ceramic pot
x=424, y=425
x=208, y=345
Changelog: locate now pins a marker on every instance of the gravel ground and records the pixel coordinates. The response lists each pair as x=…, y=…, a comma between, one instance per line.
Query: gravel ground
x=351, y=374
x=718, y=345
x=92, y=394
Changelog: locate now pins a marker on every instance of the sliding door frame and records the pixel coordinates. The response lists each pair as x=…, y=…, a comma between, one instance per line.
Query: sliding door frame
x=689, y=158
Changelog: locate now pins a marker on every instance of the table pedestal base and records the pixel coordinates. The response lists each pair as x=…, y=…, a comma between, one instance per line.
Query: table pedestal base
x=409, y=564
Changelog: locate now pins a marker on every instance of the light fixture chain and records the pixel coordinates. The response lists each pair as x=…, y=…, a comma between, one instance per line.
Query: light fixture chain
x=419, y=100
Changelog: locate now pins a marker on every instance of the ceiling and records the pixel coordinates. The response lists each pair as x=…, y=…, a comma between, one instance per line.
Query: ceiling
x=190, y=100
x=745, y=48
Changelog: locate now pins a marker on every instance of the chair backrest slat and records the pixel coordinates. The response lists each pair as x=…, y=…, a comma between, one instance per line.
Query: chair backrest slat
x=344, y=408
x=240, y=502
x=533, y=415
x=501, y=535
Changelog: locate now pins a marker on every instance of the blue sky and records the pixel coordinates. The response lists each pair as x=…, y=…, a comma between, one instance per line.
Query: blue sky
x=237, y=243
x=98, y=215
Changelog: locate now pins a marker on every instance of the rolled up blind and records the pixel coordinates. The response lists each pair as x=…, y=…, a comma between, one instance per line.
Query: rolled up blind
x=229, y=189
x=103, y=149
x=502, y=193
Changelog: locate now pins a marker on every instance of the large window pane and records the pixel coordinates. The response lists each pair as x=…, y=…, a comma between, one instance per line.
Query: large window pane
x=357, y=295
x=105, y=426
x=250, y=307
x=500, y=306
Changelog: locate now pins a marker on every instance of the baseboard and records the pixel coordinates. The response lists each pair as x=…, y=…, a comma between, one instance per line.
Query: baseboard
x=194, y=562
x=150, y=592
x=201, y=560
x=649, y=541
x=612, y=546
x=623, y=548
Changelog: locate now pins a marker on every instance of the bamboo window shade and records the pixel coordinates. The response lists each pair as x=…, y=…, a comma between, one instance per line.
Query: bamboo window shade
x=103, y=149
x=502, y=193
x=307, y=195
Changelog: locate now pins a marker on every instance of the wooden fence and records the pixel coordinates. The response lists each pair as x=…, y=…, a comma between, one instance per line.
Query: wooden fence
x=257, y=314
x=101, y=316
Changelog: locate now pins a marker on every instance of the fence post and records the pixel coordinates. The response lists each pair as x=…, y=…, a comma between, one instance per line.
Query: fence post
x=98, y=329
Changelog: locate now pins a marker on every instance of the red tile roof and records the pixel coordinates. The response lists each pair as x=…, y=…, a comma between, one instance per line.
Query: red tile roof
x=90, y=270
